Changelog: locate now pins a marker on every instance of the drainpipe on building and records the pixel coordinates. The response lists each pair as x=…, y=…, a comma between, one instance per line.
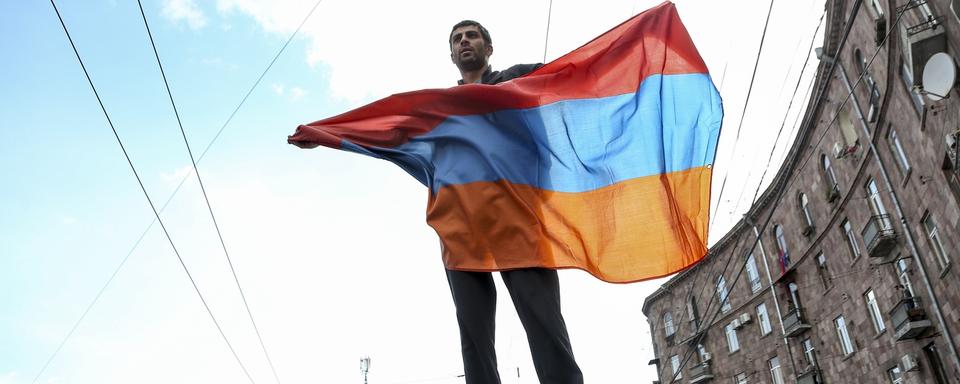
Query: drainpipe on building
x=903, y=221
x=773, y=292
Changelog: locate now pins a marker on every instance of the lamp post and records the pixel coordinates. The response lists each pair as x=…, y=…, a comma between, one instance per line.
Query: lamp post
x=365, y=367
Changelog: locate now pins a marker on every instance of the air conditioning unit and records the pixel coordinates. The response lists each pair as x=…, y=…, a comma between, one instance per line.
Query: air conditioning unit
x=735, y=324
x=706, y=356
x=745, y=318
x=839, y=150
x=909, y=363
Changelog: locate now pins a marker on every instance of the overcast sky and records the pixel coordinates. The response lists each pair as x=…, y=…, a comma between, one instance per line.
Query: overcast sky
x=332, y=248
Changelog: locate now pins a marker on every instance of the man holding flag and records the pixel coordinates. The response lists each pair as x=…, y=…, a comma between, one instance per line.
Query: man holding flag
x=600, y=160
x=535, y=291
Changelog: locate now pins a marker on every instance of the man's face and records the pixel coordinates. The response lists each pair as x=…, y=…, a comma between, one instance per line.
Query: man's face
x=468, y=50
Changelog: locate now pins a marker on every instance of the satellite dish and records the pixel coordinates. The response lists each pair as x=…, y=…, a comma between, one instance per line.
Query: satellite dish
x=938, y=76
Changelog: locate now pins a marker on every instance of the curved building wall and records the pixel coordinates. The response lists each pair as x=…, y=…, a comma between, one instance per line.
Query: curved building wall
x=861, y=285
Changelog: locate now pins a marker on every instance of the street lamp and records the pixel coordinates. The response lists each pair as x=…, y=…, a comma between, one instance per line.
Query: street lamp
x=365, y=367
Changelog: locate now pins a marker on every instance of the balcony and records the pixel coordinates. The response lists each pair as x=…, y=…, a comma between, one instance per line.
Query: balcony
x=879, y=236
x=810, y=376
x=909, y=319
x=794, y=323
x=923, y=35
x=701, y=373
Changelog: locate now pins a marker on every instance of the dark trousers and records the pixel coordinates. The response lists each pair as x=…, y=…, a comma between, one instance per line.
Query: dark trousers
x=536, y=296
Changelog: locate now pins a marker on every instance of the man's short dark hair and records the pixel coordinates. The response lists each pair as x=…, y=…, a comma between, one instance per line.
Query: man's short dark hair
x=466, y=23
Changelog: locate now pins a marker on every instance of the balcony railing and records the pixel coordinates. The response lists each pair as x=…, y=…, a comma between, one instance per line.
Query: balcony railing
x=930, y=24
x=909, y=318
x=794, y=323
x=701, y=373
x=811, y=376
x=879, y=236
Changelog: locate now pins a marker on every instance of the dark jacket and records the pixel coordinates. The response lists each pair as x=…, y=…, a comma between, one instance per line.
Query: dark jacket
x=493, y=77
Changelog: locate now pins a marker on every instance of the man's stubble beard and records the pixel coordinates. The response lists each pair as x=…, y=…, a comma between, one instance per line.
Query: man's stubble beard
x=472, y=64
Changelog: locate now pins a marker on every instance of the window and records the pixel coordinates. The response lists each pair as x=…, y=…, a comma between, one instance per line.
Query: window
x=872, y=90
x=907, y=77
x=740, y=378
x=851, y=239
x=675, y=364
x=668, y=327
x=895, y=376
x=897, y=149
x=955, y=7
x=733, y=344
x=846, y=346
x=876, y=205
x=903, y=273
x=871, y=299
x=933, y=234
x=805, y=212
x=722, y=294
x=833, y=188
x=775, y=373
x=823, y=271
x=809, y=354
x=763, y=319
x=876, y=8
x=793, y=302
x=951, y=162
x=692, y=312
x=849, y=133
x=752, y=273
x=782, y=252
x=873, y=196
x=936, y=365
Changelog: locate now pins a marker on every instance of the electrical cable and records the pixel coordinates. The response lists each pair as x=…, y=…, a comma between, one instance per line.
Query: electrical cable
x=153, y=221
x=786, y=183
x=147, y=195
x=203, y=190
x=743, y=114
x=546, y=38
x=783, y=123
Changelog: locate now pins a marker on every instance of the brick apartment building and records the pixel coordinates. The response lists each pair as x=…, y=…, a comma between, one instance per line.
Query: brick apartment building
x=843, y=270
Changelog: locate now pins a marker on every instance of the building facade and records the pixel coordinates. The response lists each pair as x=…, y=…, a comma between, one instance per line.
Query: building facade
x=843, y=270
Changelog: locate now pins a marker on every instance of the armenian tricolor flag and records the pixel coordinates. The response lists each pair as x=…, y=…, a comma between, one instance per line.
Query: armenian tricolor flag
x=600, y=160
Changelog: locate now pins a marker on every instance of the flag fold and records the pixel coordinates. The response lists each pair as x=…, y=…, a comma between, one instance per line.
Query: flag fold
x=600, y=160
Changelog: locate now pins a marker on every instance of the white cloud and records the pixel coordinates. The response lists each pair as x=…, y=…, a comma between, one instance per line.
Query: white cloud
x=184, y=10
x=177, y=175
x=297, y=93
x=278, y=89
x=9, y=378
x=394, y=49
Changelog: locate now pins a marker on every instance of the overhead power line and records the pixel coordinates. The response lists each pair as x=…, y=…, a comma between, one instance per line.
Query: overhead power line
x=788, y=182
x=206, y=198
x=743, y=113
x=147, y=196
x=173, y=194
x=546, y=37
x=783, y=123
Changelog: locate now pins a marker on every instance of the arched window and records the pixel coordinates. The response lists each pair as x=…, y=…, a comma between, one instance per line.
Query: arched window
x=668, y=327
x=804, y=204
x=833, y=188
x=722, y=293
x=783, y=254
